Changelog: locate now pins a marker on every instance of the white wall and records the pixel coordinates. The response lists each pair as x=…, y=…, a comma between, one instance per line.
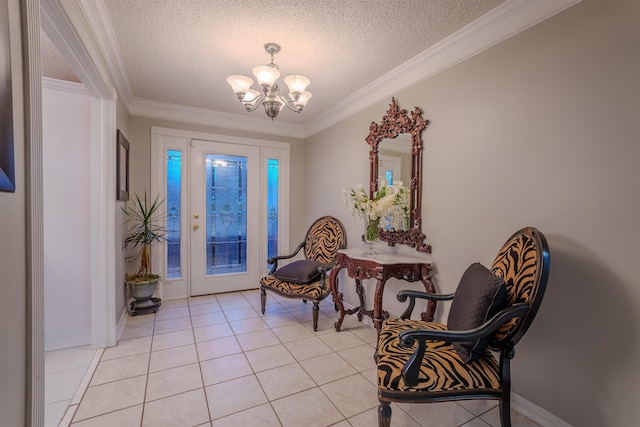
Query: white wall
x=66, y=110
x=541, y=129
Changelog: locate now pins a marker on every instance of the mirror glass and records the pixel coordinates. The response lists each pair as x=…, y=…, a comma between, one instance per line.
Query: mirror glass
x=395, y=155
x=394, y=160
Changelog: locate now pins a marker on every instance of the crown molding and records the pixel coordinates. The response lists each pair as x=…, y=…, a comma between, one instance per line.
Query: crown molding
x=507, y=20
x=200, y=116
x=66, y=25
x=98, y=20
x=64, y=85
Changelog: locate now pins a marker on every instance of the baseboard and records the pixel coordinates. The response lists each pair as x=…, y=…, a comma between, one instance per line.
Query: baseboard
x=536, y=413
x=86, y=378
x=51, y=345
x=121, y=324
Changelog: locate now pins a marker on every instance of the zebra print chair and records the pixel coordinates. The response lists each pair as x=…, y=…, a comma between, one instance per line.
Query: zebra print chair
x=307, y=279
x=417, y=361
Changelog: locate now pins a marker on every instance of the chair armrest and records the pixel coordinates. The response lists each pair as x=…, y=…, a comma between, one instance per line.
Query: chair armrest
x=412, y=295
x=274, y=260
x=408, y=338
x=323, y=271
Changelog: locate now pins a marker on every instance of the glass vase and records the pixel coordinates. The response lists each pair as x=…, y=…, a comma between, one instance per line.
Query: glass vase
x=371, y=233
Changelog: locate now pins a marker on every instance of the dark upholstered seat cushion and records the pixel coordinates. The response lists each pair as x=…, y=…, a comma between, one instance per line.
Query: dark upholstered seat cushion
x=480, y=295
x=300, y=271
x=441, y=370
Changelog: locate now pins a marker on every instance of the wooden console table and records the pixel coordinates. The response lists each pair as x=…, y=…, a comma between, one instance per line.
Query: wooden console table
x=380, y=267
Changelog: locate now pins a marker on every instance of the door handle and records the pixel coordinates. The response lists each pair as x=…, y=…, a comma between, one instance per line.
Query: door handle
x=195, y=227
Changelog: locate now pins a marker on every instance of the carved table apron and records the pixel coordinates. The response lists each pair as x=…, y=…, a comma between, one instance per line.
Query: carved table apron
x=380, y=267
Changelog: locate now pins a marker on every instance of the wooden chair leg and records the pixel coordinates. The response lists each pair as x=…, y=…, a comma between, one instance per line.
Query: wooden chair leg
x=316, y=310
x=384, y=414
x=505, y=412
x=505, y=399
x=263, y=299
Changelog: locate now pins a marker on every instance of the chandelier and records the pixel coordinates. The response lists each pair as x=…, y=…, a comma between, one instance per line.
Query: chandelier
x=270, y=97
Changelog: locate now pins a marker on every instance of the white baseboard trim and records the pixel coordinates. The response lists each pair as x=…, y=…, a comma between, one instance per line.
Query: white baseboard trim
x=536, y=413
x=121, y=324
x=59, y=344
x=86, y=379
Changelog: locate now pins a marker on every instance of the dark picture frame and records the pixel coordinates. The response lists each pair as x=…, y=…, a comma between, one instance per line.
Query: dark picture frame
x=122, y=167
x=7, y=162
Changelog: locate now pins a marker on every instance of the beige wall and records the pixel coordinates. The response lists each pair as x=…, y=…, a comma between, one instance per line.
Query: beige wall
x=539, y=130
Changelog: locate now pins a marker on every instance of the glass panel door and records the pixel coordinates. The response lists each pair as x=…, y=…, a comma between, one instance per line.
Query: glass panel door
x=226, y=210
x=224, y=217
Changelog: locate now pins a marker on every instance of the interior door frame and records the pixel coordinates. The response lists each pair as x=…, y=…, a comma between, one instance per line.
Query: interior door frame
x=161, y=138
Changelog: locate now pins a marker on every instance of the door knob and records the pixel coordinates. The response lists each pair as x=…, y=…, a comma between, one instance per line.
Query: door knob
x=195, y=216
x=195, y=227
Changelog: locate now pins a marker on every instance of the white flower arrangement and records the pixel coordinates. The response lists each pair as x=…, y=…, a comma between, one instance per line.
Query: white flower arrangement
x=389, y=202
x=398, y=218
x=359, y=204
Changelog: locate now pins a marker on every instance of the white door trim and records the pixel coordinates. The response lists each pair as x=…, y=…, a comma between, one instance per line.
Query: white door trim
x=103, y=206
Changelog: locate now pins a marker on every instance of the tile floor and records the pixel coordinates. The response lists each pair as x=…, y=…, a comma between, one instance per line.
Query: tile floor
x=216, y=361
x=67, y=373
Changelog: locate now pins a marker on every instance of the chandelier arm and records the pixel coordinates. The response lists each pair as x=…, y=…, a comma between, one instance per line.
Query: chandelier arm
x=257, y=103
x=286, y=102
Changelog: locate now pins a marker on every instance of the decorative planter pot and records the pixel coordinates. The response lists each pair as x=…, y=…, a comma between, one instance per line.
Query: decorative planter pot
x=142, y=290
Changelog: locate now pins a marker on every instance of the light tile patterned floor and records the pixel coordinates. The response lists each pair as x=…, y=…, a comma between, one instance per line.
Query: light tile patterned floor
x=216, y=361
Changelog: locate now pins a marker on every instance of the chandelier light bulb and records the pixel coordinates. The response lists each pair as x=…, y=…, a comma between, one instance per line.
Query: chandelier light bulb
x=266, y=75
x=303, y=99
x=240, y=84
x=297, y=84
x=251, y=96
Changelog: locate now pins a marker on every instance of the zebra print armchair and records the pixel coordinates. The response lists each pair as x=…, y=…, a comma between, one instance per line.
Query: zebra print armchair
x=307, y=279
x=421, y=362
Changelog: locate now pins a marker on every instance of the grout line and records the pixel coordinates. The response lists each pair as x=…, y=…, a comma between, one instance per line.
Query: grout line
x=84, y=383
x=195, y=343
x=68, y=416
x=146, y=382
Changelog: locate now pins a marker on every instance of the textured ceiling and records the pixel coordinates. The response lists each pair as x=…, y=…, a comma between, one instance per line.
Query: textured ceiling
x=181, y=51
x=53, y=64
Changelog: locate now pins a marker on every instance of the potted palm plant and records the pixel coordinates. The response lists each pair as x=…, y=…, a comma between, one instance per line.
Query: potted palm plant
x=144, y=227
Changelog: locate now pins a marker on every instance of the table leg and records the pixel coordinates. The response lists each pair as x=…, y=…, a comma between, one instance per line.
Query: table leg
x=429, y=314
x=360, y=292
x=377, y=305
x=337, y=296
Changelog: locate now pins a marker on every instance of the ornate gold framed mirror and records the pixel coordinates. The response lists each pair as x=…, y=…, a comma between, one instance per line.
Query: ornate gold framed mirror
x=388, y=134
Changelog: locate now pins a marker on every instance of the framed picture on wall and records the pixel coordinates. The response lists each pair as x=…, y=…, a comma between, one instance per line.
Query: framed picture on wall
x=122, y=165
x=7, y=165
